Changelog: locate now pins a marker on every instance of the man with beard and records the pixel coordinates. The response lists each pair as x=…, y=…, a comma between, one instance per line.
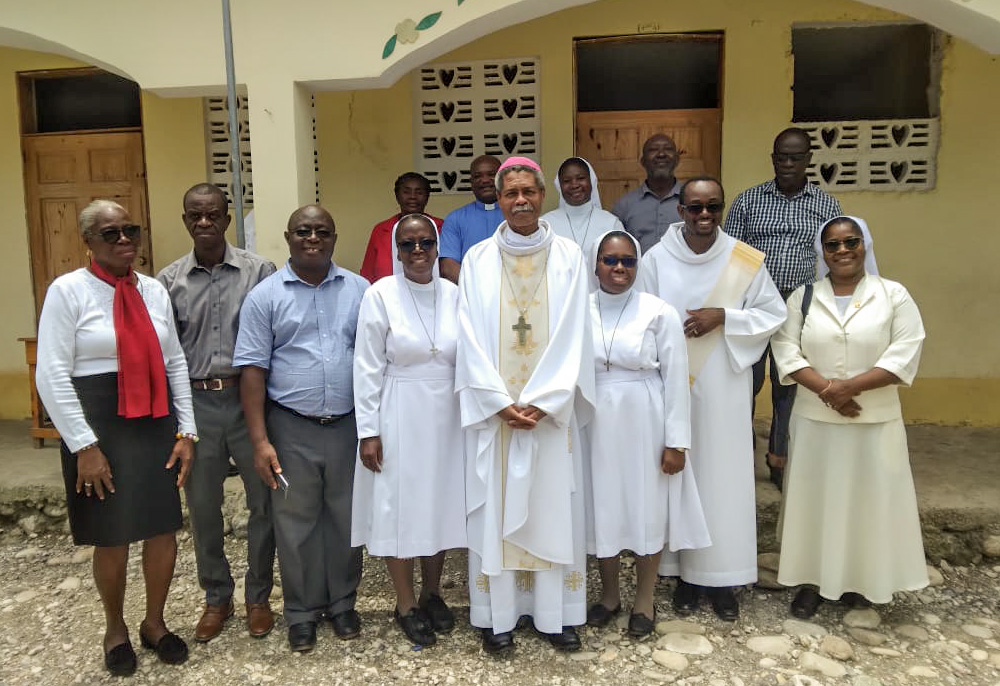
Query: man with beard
x=471, y=223
x=648, y=210
x=296, y=350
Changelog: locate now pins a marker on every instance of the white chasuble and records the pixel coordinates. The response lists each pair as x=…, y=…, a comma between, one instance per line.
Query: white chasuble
x=523, y=324
x=721, y=394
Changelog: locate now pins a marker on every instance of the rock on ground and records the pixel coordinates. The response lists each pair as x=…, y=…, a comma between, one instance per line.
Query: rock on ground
x=770, y=645
x=866, y=618
x=836, y=647
x=686, y=644
x=867, y=636
x=812, y=662
x=796, y=627
x=670, y=660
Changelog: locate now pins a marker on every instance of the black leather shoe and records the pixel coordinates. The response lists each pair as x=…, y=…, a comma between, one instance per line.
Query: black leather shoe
x=346, y=624
x=852, y=599
x=806, y=602
x=686, y=598
x=566, y=641
x=639, y=625
x=170, y=649
x=441, y=616
x=724, y=603
x=496, y=644
x=599, y=615
x=302, y=637
x=121, y=660
x=416, y=627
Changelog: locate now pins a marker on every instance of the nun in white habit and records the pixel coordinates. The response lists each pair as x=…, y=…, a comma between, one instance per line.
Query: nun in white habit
x=641, y=495
x=580, y=216
x=409, y=499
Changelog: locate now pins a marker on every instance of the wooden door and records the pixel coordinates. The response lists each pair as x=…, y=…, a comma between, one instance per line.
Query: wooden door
x=63, y=173
x=612, y=143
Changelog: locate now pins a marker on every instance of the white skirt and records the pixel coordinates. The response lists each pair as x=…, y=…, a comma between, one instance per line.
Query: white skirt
x=416, y=505
x=849, y=518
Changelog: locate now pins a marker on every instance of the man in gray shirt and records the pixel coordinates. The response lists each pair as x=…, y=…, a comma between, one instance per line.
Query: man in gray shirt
x=207, y=287
x=648, y=210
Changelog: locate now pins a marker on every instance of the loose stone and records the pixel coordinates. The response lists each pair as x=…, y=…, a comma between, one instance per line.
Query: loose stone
x=687, y=644
x=980, y=655
x=886, y=652
x=935, y=577
x=583, y=656
x=977, y=631
x=796, y=627
x=812, y=662
x=923, y=671
x=670, y=660
x=837, y=648
x=866, y=636
x=770, y=645
x=866, y=618
x=679, y=626
x=913, y=632
x=70, y=583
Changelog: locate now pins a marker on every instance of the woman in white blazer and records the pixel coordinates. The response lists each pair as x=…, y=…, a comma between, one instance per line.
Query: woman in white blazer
x=849, y=527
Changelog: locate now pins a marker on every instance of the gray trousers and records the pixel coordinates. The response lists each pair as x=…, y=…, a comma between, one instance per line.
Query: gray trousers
x=223, y=433
x=320, y=571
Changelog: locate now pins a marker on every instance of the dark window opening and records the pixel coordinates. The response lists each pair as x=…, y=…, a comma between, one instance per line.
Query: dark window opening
x=661, y=72
x=864, y=72
x=84, y=102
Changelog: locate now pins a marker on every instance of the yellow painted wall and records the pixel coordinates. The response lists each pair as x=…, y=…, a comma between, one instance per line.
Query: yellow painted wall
x=175, y=159
x=940, y=243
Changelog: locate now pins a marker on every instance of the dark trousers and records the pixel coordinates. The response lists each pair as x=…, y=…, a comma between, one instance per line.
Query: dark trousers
x=782, y=398
x=223, y=434
x=320, y=571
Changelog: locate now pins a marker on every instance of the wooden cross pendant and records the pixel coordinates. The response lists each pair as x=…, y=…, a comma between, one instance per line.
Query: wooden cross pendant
x=521, y=328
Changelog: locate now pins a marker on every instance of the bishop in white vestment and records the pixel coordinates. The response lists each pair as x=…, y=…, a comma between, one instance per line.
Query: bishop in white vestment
x=525, y=379
x=730, y=308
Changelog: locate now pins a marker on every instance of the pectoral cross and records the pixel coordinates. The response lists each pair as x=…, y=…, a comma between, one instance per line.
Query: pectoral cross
x=521, y=328
x=607, y=365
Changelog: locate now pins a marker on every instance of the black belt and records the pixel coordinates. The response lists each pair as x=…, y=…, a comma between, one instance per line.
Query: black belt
x=322, y=421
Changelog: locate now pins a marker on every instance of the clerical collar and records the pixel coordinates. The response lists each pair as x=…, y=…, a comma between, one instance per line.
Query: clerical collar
x=516, y=240
x=488, y=206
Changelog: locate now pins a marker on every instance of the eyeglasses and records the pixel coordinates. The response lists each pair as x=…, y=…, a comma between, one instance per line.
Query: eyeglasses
x=426, y=244
x=796, y=157
x=613, y=260
x=322, y=234
x=833, y=246
x=113, y=235
x=697, y=208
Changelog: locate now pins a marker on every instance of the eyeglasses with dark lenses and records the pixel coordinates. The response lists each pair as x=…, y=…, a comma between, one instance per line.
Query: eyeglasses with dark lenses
x=322, y=234
x=697, y=208
x=613, y=260
x=852, y=243
x=426, y=244
x=113, y=235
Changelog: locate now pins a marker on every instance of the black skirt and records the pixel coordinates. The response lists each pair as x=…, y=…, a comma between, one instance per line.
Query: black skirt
x=146, y=502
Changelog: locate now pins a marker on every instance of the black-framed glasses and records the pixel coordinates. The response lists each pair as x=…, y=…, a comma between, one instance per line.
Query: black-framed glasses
x=697, y=207
x=613, y=260
x=832, y=246
x=322, y=234
x=426, y=244
x=114, y=234
x=795, y=157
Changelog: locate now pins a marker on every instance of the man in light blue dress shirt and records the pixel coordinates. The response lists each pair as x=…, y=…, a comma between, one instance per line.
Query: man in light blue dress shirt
x=295, y=349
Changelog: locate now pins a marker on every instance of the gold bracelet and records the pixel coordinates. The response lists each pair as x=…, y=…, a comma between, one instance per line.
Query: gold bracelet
x=829, y=383
x=193, y=437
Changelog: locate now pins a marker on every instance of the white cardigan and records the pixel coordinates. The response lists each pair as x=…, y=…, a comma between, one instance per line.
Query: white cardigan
x=881, y=328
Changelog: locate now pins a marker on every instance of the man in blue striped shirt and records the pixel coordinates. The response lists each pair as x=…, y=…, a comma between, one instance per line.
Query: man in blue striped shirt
x=780, y=217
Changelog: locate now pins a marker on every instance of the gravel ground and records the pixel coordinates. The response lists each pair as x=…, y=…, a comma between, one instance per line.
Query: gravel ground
x=51, y=627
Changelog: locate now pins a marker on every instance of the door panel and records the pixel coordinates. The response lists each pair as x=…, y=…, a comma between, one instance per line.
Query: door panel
x=612, y=143
x=63, y=174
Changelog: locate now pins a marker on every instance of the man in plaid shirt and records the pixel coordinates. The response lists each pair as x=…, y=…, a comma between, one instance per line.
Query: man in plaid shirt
x=780, y=217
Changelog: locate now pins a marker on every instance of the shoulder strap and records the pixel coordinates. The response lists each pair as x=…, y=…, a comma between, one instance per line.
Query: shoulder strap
x=807, y=297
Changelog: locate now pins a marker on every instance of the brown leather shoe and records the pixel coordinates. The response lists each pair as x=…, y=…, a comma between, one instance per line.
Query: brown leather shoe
x=212, y=619
x=260, y=621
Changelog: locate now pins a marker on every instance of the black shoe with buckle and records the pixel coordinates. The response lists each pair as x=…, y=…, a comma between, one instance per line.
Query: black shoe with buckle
x=441, y=617
x=686, y=598
x=497, y=644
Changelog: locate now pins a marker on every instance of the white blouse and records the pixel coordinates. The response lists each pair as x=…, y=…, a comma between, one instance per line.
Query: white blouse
x=76, y=337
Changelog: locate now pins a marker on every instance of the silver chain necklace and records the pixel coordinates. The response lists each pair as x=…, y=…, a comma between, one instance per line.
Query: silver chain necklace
x=434, y=349
x=600, y=314
x=586, y=231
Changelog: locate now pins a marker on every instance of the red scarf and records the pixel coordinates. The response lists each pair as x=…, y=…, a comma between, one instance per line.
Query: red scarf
x=142, y=376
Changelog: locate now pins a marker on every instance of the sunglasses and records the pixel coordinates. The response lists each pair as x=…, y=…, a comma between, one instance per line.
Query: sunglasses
x=613, y=260
x=832, y=246
x=322, y=234
x=697, y=208
x=426, y=244
x=113, y=235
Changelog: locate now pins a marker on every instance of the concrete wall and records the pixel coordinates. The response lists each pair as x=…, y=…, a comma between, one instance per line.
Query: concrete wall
x=940, y=244
x=175, y=159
